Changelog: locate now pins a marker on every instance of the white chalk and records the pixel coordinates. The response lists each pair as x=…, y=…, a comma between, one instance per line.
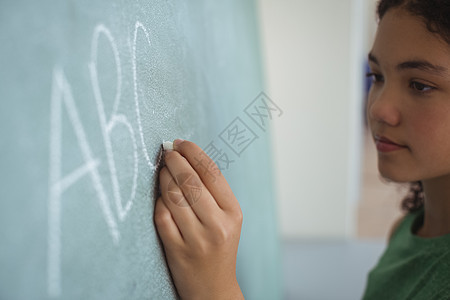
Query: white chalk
x=168, y=145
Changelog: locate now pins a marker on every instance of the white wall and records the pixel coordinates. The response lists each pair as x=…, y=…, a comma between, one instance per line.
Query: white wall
x=313, y=52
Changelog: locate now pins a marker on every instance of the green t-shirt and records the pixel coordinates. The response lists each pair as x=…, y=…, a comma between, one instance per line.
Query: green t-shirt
x=411, y=267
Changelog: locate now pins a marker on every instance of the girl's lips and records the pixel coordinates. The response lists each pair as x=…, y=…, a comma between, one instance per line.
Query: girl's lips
x=385, y=145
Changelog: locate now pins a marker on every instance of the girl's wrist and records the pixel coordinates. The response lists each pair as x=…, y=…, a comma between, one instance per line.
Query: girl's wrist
x=231, y=292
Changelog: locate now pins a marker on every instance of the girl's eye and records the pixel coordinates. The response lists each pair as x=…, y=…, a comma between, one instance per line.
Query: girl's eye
x=420, y=87
x=375, y=77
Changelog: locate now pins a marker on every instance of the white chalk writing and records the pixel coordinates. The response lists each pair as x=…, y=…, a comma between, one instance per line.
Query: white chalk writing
x=62, y=98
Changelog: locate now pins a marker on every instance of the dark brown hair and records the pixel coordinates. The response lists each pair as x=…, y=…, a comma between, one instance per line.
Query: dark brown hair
x=414, y=200
x=434, y=13
x=436, y=16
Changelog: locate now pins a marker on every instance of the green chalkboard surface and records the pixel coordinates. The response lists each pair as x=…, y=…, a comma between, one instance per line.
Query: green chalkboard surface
x=89, y=90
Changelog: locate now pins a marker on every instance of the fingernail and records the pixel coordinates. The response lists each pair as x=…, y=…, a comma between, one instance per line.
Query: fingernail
x=177, y=142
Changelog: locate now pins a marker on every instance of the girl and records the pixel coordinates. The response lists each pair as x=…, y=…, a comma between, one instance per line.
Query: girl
x=409, y=117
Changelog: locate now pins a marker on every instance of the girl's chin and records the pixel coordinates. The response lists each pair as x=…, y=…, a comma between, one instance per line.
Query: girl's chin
x=396, y=177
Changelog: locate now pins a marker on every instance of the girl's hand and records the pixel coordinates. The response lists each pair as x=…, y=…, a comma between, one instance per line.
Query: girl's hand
x=199, y=221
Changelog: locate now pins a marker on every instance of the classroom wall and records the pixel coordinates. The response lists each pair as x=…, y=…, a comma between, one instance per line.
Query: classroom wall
x=314, y=55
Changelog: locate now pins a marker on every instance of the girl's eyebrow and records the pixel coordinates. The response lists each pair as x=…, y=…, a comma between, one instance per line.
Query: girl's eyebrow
x=372, y=58
x=419, y=64
x=422, y=65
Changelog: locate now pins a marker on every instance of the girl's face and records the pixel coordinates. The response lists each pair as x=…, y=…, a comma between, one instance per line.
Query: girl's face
x=409, y=101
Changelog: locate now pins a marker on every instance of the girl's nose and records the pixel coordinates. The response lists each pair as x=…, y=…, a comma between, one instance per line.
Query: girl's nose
x=383, y=107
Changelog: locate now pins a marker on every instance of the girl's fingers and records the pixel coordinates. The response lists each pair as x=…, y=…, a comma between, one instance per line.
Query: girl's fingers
x=166, y=226
x=210, y=174
x=196, y=195
x=174, y=200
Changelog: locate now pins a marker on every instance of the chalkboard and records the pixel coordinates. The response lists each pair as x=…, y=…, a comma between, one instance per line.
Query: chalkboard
x=89, y=90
